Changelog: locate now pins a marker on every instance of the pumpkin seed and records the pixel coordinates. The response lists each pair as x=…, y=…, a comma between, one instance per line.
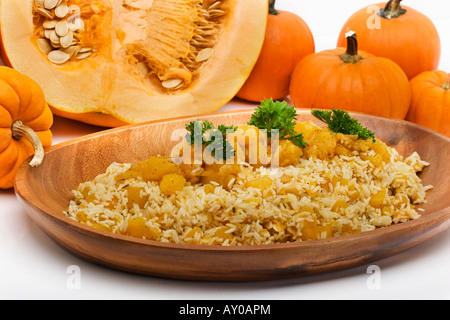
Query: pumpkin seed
x=204, y=55
x=171, y=84
x=48, y=32
x=58, y=57
x=62, y=10
x=216, y=13
x=214, y=5
x=78, y=24
x=72, y=50
x=83, y=55
x=44, y=13
x=62, y=28
x=67, y=40
x=85, y=49
x=50, y=4
x=143, y=68
x=54, y=38
x=49, y=24
x=44, y=45
x=73, y=8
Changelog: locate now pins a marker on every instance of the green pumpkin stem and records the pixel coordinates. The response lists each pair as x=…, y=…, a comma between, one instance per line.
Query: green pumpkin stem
x=392, y=10
x=272, y=9
x=446, y=84
x=351, y=55
x=20, y=130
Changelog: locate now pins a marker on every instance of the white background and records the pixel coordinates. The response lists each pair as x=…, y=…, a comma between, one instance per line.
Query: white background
x=33, y=267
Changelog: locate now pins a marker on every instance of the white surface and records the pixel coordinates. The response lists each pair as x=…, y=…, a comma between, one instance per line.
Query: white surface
x=33, y=267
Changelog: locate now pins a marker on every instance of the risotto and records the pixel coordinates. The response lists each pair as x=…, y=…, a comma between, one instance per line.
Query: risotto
x=337, y=185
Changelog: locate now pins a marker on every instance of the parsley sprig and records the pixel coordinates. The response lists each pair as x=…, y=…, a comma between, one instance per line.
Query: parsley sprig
x=204, y=133
x=339, y=121
x=277, y=115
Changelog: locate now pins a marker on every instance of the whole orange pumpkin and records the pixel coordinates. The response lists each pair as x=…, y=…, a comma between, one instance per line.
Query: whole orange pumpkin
x=402, y=34
x=25, y=121
x=430, y=101
x=351, y=80
x=288, y=40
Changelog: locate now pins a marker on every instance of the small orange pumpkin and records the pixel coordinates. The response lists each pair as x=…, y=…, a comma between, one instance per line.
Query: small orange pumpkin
x=351, y=80
x=402, y=34
x=288, y=40
x=25, y=121
x=430, y=101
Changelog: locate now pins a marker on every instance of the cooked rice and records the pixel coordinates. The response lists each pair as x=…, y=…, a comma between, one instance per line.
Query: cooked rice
x=200, y=214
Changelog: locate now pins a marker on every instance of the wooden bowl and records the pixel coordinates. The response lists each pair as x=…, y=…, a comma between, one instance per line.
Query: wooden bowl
x=45, y=192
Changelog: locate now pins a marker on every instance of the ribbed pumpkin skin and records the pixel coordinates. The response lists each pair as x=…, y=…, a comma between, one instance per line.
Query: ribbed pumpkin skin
x=411, y=40
x=20, y=99
x=430, y=101
x=288, y=40
x=373, y=85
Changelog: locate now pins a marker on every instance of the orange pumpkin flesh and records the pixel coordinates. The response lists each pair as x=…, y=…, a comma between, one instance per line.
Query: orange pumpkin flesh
x=430, y=101
x=288, y=40
x=351, y=80
x=141, y=48
x=25, y=121
x=400, y=33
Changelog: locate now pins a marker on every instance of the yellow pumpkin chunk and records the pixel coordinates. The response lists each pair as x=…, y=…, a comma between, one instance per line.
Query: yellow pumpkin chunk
x=322, y=146
x=152, y=169
x=134, y=197
x=137, y=228
x=171, y=183
x=289, y=153
x=382, y=149
x=307, y=128
x=313, y=231
x=263, y=183
x=377, y=200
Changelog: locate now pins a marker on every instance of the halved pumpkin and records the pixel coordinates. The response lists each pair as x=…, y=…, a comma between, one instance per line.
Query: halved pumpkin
x=114, y=62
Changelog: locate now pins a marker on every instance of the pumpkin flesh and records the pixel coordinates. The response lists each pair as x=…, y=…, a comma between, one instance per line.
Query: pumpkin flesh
x=151, y=60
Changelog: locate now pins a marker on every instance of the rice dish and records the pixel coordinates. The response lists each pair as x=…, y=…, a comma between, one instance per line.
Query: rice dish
x=314, y=197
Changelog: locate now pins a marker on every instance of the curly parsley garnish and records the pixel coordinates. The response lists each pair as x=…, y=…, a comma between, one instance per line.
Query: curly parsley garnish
x=215, y=140
x=277, y=115
x=339, y=121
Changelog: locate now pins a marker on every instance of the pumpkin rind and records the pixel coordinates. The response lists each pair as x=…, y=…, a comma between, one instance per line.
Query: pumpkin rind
x=430, y=101
x=370, y=85
x=22, y=100
x=102, y=91
x=411, y=40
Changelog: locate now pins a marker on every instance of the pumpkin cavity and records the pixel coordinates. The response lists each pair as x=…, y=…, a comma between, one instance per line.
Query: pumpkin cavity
x=163, y=43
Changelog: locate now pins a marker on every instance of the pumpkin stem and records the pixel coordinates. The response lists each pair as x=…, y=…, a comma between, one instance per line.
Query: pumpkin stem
x=20, y=130
x=392, y=10
x=272, y=9
x=351, y=55
x=446, y=84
